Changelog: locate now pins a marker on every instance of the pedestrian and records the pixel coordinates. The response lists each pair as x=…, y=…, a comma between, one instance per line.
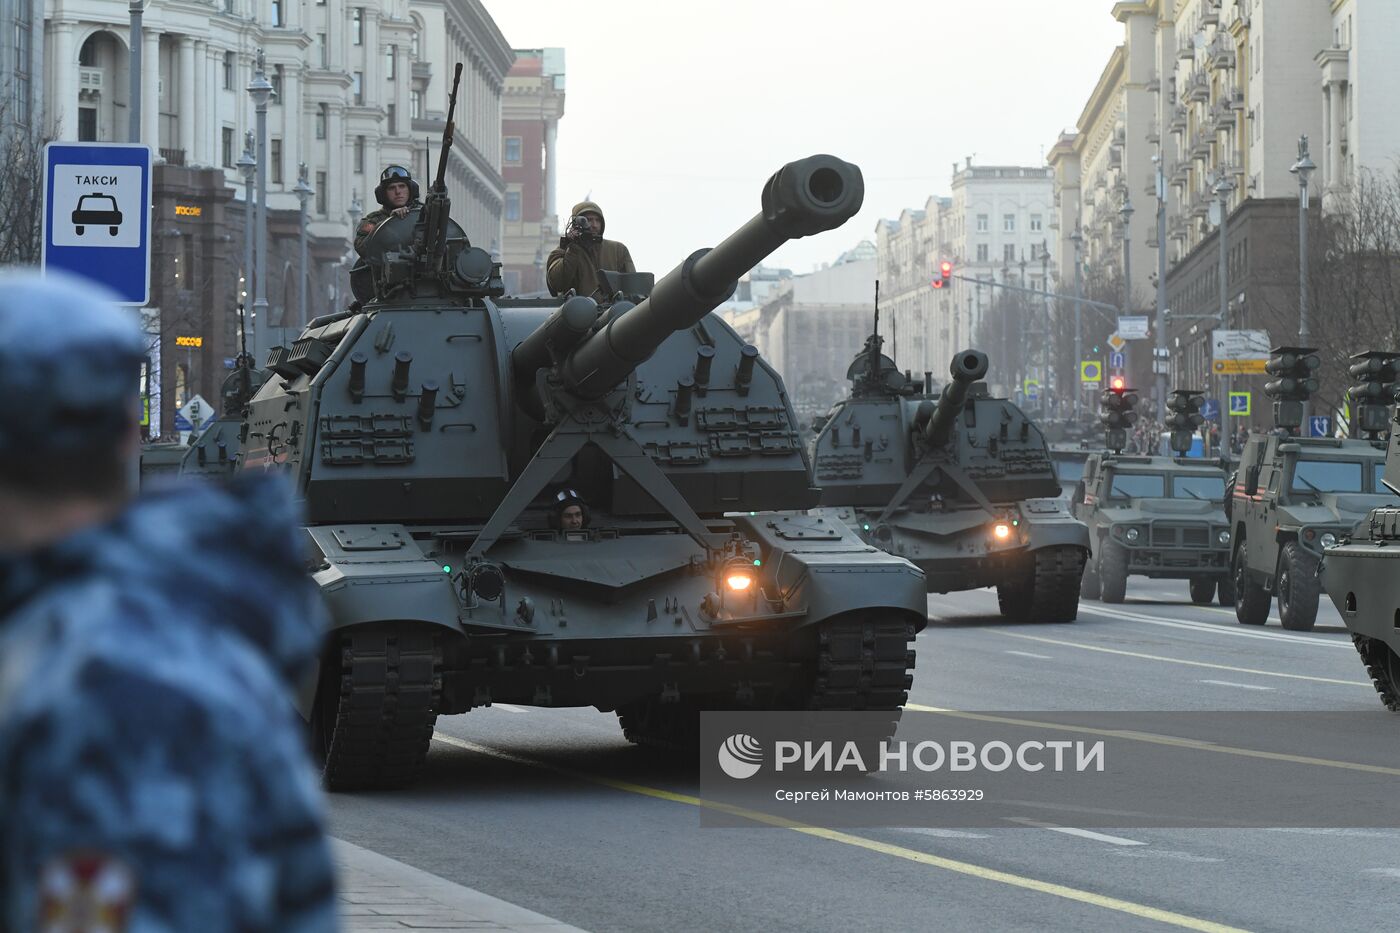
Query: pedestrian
x=153, y=772
x=583, y=255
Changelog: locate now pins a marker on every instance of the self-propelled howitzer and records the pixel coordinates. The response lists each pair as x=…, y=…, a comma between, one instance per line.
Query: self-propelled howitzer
x=958, y=482
x=436, y=433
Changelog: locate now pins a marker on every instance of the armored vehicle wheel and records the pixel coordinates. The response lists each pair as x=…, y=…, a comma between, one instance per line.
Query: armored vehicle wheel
x=1202, y=590
x=1251, y=599
x=1054, y=594
x=1113, y=572
x=376, y=703
x=1298, y=588
x=1383, y=665
x=1226, y=591
x=1014, y=599
x=1089, y=587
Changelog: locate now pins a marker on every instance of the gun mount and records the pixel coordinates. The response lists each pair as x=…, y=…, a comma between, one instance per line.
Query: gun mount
x=936, y=421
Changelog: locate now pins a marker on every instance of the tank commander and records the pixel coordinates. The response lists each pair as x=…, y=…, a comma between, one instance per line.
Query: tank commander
x=397, y=194
x=570, y=511
x=583, y=253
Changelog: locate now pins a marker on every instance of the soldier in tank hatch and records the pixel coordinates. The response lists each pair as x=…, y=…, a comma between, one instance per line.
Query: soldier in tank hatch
x=155, y=775
x=583, y=253
x=570, y=511
x=397, y=194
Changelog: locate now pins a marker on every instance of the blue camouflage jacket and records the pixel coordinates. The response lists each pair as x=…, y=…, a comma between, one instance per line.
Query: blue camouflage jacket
x=151, y=762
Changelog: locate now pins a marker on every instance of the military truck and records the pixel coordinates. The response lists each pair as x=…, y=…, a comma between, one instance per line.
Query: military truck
x=433, y=432
x=1151, y=516
x=957, y=481
x=1294, y=497
x=1361, y=584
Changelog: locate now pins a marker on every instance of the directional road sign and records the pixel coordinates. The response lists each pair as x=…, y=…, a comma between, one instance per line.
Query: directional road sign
x=1210, y=409
x=1133, y=327
x=1320, y=426
x=1239, y=404
x=196, y=411
x=1239, y=344
x=1237, y=367
x=1115, y=360
x=1090, y=371
x=96, y=215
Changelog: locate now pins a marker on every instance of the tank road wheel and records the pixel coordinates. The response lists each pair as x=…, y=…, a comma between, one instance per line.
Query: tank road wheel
x=1113, y=572
x=1202, y=590
x=1055, y=593
x=1226, y=590
x=1298, y=588
x=1383, y=665
x=1089, y=587
x=376, y=703
x=1251, y=599
x=862, y=664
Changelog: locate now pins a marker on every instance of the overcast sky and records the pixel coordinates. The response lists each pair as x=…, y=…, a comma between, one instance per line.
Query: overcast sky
x=678, y=112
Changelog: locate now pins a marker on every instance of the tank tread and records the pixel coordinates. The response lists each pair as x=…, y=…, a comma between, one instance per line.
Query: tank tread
x=863, y=664
x=390, y=685
x=1382, y=666
x=1058, y=571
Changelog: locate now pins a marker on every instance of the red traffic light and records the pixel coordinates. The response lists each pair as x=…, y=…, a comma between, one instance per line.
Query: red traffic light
x=937, y=283
x=946, y=269
x=1117, y=382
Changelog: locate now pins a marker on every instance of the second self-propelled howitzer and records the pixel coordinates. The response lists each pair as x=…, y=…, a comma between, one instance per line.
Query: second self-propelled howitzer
x=956, y=481
x=552, y=502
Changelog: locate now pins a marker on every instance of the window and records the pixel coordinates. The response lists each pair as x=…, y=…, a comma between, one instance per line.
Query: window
x=513, y=150
x=1008, y=252
x=359, y=155
x=278, y=73
x=87, y=124
x=321, y=199
x=983, y=221
x=390, y=68
x=226, y=146
x=512, y=205
x=357, y=87
x=414, y=47
x=1035, y=223
x=186, y=273
x=228, y=71
x=1199, y=487
x=1137, y=486
x=322, y=113
x=1008, y=223
x=87, y=55
x=357, y=25
x=274, y=161
x=393, y=113
x=982, y=252
x=228, y=6
x=415, y=104
x=277, y=13
x=1326, y=476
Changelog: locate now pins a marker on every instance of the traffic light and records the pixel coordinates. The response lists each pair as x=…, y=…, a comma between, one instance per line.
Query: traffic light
x=1378, y=371
x=1295, y=384
x=945, y=275
x=1117, y=383
x=1117, y=414
x=1185, y=417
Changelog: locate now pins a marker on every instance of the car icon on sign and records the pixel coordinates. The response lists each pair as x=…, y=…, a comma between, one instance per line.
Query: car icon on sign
x=97, y=210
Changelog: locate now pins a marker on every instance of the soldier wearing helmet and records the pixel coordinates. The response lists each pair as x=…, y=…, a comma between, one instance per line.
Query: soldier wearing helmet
x=397, y=194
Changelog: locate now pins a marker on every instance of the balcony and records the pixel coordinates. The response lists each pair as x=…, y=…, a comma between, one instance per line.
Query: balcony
x=1151, y=187
x=1154, y=83
x=1198, y=87
x=173, y=156
x=1210, y=13
x=89, y=82
x=1222, y=115
x=1179, y=119
x=1200, y=146
x=1221, y=53
x=1186, y=48
x=1154, y=131
x=422, y=71
x=1181, y=172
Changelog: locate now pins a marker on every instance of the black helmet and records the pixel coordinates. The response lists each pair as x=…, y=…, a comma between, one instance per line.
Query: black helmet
x=392, y=174
x=562, y=500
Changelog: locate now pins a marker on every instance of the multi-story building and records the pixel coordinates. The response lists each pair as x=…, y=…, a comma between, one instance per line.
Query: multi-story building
x=21, y=61
x=1360, y=70
x=530, y=110
x=915, y=318
x=743, y=311
x=355, y=86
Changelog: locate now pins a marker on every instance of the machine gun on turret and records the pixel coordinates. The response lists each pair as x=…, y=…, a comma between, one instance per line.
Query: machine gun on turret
x=437, y=208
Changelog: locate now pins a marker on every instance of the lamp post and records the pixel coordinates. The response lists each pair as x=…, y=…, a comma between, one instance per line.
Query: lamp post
x=1077, y=238
x=247, y=165
x=1045, y=336
x=303, y=191
x=133, y=133
x=1159, y=353
x=260, y=90
x=1223, y=187
x=1126, y=212
x=1303, y=168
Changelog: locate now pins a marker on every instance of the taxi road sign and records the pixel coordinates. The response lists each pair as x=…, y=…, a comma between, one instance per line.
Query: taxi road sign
x=96, y=215
x=1090, y=371
x=1239, y=404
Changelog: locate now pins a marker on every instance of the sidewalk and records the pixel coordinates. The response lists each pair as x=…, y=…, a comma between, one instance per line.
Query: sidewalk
x=378, y=894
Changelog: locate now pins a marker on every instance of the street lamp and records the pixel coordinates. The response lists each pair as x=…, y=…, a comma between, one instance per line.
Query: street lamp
x=260, y=90
x=1126, y=212
x=1159, y=353
x=1077, y=238
x=1223, y=187
x=303, y=191
x=247, y=165
x=1303, y=168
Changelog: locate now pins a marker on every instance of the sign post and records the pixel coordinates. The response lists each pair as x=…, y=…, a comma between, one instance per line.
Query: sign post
x=97, y=215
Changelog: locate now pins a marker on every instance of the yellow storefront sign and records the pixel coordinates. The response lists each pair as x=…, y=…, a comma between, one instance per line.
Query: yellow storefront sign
x=1238, y=367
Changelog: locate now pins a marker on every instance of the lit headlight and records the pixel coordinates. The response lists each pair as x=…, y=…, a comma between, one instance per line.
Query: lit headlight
x=1223, y=537
x=1328, y=540
x=738, y=581
x=1132, y=534
x=1001, y=531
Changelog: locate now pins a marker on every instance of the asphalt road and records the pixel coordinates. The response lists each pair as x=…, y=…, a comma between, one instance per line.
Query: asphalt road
x=552, y=810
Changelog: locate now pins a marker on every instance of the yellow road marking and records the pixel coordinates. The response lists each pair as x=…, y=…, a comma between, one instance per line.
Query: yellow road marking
x=1158, y=657
x=1156, y=739
x=1169, y=917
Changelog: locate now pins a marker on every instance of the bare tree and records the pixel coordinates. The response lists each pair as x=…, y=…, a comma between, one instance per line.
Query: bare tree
x=21, y=181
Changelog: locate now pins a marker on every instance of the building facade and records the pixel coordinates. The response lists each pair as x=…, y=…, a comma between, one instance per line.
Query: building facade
x=21, y=62
x=355, y=87
x=532, y=105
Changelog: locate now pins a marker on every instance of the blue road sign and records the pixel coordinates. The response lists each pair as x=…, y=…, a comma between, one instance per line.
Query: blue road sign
x=1210, y=409
x=97, y=217
x=1319, y=426
x=1115, y=360
x=182, y=423
x=1239, y=404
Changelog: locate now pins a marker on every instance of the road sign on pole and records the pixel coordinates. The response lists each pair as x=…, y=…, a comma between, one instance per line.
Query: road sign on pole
x=1032, y=388
x=1116, y=341
x=97, y=216
x=1320, y=426
x=1239, y=404
x=1210, y=409
x=1133, y=327
x=1090, y=371
x=1115, y=360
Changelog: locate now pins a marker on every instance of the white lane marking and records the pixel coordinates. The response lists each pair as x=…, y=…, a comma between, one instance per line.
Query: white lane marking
x=942, y=833
x=1231, y=683
x=1071, y=831
x=1290, y=638
x=1388, y=872
x=1030, y=654
x=509, y=708
x=1335, y=831
x=1168, y=854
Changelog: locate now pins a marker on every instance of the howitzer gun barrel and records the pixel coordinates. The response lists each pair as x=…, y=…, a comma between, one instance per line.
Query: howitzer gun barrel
x=967, y=367
x=808, y=196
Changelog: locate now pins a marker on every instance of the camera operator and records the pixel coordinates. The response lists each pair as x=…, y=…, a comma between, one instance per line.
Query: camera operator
x=583, y=253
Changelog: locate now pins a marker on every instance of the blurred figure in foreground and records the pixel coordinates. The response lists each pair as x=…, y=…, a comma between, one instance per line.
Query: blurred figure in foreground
x=153, y=772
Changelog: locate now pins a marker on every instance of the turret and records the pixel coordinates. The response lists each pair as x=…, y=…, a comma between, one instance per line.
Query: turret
x=936, y=422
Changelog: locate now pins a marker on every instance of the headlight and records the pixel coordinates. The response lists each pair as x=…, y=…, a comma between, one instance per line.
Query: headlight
x=1223, y=537
x=738, y=580
x=1328, y=540
x=1132, y=534
x=1001, y=531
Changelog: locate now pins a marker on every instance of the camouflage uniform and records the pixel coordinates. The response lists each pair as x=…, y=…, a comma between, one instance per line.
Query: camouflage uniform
x=153, y=773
